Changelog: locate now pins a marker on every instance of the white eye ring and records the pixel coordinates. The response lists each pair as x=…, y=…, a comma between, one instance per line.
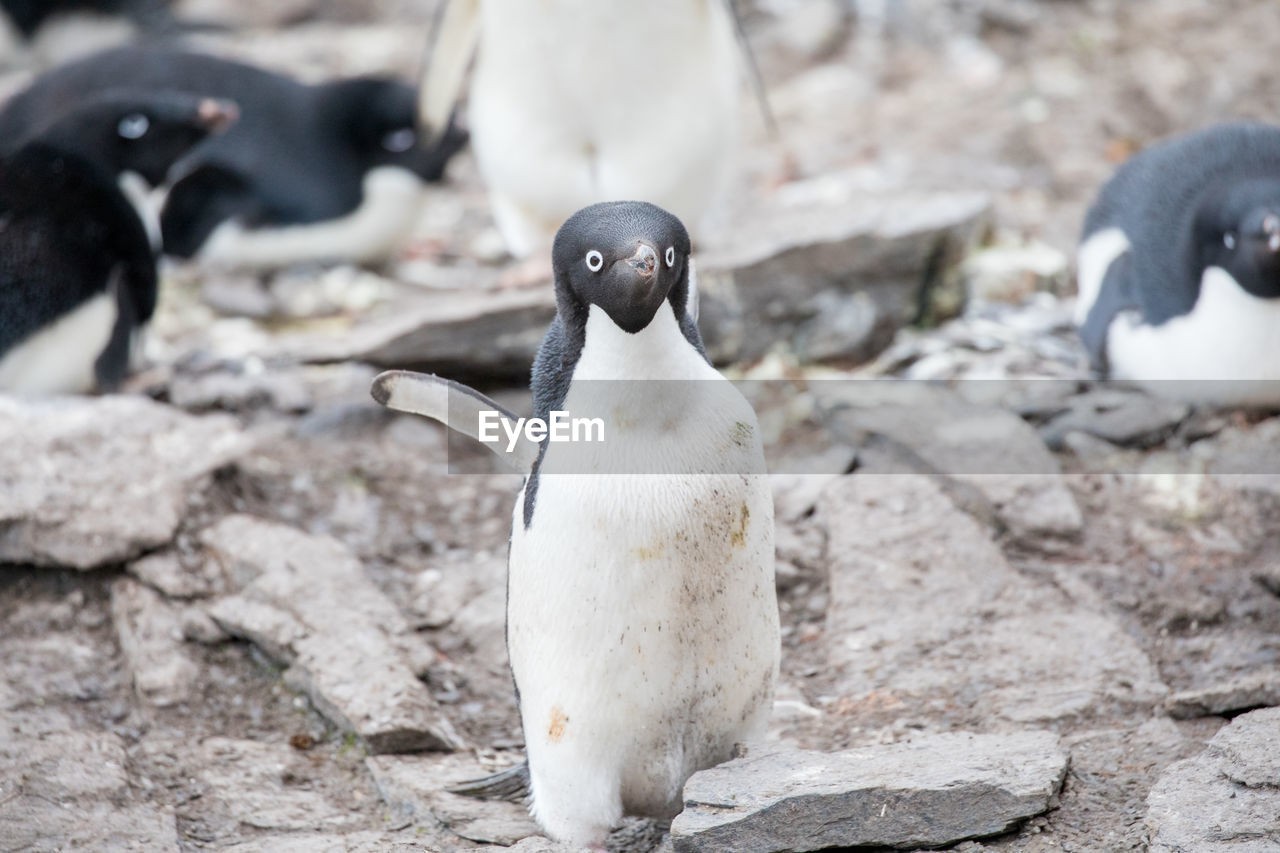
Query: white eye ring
x=595, y=260
x=133, y=126
x=671, y=256
x=1229, y=240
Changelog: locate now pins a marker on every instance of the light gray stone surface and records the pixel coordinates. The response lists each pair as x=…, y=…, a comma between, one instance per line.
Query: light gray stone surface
x=150, y=632
x=926, y=792
x=86, y=482
x=923, y=606
x=69, y=791
x=1246, y=691
x=307, y=602
x=1225, y=800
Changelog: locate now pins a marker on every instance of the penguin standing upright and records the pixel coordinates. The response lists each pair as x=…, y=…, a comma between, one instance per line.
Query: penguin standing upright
x=1179, y=268
x=642, y=621
x=77, y=271
x=573, y=103
x=330, y=172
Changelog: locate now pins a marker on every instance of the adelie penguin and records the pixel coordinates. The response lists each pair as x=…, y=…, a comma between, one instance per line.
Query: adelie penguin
x=329, y=172
x=642, y=622
x=77, y=271
x=1179, y=268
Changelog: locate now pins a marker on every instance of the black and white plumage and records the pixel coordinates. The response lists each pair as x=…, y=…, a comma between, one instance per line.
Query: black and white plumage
x=28, y=16
x=335, y=171
x=77, y=272
x=1179, y=267
x=642, y=621
x=609, y=99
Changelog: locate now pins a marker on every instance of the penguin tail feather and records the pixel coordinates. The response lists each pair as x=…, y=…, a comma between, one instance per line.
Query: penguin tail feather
x=510, y=785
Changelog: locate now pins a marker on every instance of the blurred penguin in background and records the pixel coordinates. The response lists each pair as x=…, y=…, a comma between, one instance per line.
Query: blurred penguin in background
x=77, y=271
x=573, y=103
x=1179, y=268
x=48, y=32
x=334, y=172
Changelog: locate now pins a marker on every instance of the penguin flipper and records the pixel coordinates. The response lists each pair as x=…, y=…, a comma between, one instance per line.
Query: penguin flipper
x=1113, y=298
x=453, y=43
x=510, y=785
x=455, y=405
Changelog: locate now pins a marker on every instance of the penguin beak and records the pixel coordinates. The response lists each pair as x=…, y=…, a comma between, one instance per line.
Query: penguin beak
x=217, y=115
x=1271, y=231
x=644, y=261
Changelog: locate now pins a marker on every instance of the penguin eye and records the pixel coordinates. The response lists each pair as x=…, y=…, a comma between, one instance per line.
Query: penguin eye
x=133, y=126
x=399, y=141
x=1229, y=240
x=671, y=256
x=595, y=260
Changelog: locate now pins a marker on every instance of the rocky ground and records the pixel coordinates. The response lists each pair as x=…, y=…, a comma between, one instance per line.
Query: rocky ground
x=245, y=609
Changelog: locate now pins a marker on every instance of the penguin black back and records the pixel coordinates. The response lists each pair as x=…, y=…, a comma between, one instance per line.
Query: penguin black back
x=298, y=155
x=67, y=233
x=29, y=15
x=1193, y=202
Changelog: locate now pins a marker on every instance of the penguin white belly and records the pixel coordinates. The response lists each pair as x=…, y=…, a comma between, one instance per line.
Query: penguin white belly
x=1226, y=350
x=1093, y=259
x=389, y=210
x=642, y=617
x=59, y=358
x=554, y=131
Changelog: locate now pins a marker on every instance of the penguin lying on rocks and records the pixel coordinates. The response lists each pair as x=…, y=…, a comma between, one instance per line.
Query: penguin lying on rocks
x=330, y=172
x=608, y=99
x=77, y=272
x=1179, y=268
x=642, y=622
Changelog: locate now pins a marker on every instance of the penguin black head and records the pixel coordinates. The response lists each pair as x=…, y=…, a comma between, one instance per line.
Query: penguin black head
x=136, y=131
x=1238, y=229
x=627, y=257
x=377, y=117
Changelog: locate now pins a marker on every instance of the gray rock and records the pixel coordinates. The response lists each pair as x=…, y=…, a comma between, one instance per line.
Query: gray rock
x=809, y=271
x=150, y=634
x=298, y=589
x=416, y=786
x=926, y=792
x=1247, y=691
x=455, y=333
x=1247, y=459
x=1225, y=800
x=262, y=785
x=69, y=791
x=990, y=449
x=926, y=618
x=86, y=482
x=165, y=571
x=1119, y=416
x=834, y=277
x=352, y=842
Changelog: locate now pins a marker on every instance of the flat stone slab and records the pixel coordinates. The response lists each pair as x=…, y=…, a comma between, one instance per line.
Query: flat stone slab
x=927, y=619
x=922, y=793
x=1225, y=800
x=987, y=448
x=150, y=632
x=307, y=602
x=1249, y=691
x=416, y=786
x=322, y=842
x=92, y=481
x=69, y=791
